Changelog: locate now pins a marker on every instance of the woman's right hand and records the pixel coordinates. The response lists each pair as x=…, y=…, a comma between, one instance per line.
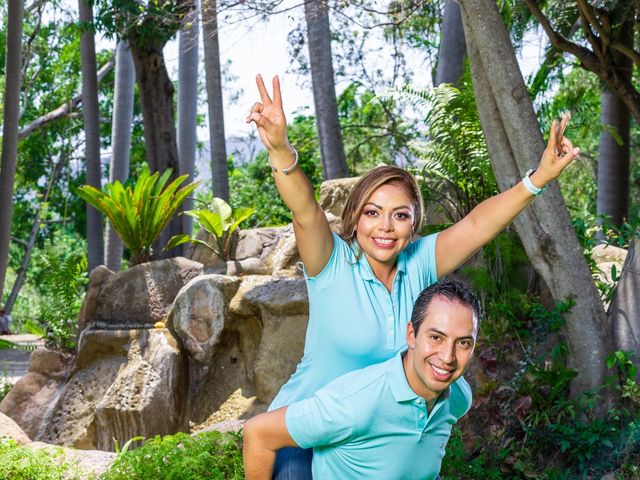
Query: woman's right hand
x=268, y=115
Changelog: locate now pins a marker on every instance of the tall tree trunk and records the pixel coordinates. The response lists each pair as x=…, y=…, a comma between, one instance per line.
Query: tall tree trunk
x=219, y=170
x=453, y=48
x=613, y=159
x=624, y=311
x=90, y=114
x=515, y=144
x=155, y=91
x=13, y=80
x=188, y=104
x=120, y=140
x=334, y=162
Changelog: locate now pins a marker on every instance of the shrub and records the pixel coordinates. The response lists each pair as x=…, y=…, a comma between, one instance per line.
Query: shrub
x=182, y=457
x=20, y=463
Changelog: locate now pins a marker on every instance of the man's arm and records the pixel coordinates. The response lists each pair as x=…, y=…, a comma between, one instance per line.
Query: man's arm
x=263, y=435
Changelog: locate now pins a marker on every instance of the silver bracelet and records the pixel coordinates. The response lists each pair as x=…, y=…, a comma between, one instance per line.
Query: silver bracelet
x=530, y=186
x=290, y=168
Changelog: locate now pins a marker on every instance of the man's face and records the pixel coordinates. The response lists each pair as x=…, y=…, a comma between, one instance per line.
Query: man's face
x=441, y=349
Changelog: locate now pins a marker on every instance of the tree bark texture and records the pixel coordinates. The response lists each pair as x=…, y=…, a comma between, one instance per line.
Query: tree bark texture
x=515, y=145
x=91, y=117
x=613, y=158
x=120, y=140
x=324, y=90
x=155, y=92
x=188, y=104
x=624, y=311
x=219, y=170
x=453, y=48
x=8, y=159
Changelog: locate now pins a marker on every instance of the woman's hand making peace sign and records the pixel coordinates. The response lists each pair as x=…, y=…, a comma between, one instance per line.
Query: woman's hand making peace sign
x=269, y=117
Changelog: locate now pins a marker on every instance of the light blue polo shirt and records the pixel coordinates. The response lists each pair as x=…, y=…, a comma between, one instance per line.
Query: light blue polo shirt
x=371, y=424
x=354, y=321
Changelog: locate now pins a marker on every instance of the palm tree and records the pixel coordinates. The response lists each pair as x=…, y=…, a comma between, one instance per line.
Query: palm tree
x=91, y=118
x=219, y=170
x=13, y=80
x=188, y=102
x=324, y=89
x=453, y=49
x=120, y=140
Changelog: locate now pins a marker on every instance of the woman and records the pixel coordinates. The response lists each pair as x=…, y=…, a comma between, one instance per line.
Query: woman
x=362, y=284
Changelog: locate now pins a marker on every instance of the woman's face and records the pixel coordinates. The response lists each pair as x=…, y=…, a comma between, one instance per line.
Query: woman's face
x=385, y=225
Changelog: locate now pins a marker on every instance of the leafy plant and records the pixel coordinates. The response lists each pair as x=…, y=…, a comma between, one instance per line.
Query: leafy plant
x=182, y=457
x=138, y=214
x=220, y=222
x=23, y=463
x=63, y=280
x=454, y=158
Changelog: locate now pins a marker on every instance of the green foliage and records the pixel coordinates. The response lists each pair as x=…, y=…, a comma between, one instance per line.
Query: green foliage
x=455, y=161
x=22, y=463
x=182, y=457
x=220, y=222
x=138, y=214
x=63, y=280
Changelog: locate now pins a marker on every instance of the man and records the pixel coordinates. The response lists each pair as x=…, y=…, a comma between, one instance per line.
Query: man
x=388, y=421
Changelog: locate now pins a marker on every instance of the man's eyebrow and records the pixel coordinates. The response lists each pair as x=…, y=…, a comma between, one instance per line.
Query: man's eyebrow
x=466, y=337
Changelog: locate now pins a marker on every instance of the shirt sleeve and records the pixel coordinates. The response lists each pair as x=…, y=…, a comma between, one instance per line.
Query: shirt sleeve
x=320, y=420
x=340, y=254
x=423, y=254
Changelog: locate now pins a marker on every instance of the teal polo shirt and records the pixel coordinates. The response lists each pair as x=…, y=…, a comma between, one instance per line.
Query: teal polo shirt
x=354, y=321
x=371, y=424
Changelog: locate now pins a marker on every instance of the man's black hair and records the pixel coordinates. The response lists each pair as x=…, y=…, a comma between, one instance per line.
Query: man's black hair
x=453, y=290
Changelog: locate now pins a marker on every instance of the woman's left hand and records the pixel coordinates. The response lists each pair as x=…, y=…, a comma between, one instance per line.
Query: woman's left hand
x=559, y=153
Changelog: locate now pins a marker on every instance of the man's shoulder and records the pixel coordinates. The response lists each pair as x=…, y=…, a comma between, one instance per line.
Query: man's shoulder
x=358, y=382
x=460, y=397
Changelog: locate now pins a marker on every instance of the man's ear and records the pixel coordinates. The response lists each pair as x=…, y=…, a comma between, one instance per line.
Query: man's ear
x=411, y=336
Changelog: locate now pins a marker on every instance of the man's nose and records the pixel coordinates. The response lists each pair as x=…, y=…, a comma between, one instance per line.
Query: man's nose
x=448, y=353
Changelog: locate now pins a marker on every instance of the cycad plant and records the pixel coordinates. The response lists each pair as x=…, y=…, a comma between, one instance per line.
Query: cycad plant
x=220, y=222
x=139, y=213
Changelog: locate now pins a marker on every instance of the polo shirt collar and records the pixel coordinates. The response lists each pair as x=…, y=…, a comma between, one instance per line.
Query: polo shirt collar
x=400, y=388
x=366, y=272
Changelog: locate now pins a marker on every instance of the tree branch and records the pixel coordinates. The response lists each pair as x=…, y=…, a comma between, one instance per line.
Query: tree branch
x=64, y=109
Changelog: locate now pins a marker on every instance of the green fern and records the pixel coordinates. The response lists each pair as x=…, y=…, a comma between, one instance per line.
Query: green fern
x=454, y=156
x=63, y=281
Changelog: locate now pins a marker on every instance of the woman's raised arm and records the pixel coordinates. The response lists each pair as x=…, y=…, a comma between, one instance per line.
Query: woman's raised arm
x=458, y=242
x=310, y=225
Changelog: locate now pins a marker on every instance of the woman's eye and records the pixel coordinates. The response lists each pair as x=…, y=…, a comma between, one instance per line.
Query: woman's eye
x=370, y=213
x=403, y=215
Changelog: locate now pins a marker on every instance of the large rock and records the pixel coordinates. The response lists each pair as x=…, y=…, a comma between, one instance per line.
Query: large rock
x=334, y=194
x=31, y=400
x=273, y=315
x=149, y=395
x=124, y=383
x=9, y=428
x=137, y=297
x=257, y=251
x=199, y=314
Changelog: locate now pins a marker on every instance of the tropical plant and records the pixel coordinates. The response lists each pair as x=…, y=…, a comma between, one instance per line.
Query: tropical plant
x=138, y=214
x=63, y=280
x=454, y=158
x=220, y=222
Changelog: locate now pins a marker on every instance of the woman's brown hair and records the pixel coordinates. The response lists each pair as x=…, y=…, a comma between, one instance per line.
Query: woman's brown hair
x=368, y=184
